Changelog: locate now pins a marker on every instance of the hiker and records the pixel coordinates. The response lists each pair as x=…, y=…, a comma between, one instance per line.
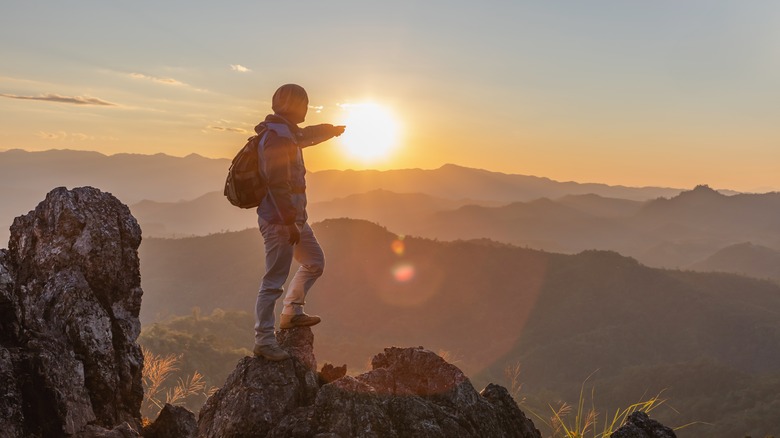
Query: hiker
x=282, y=217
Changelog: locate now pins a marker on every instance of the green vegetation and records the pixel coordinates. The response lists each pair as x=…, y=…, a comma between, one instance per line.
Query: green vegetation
x=188, y=357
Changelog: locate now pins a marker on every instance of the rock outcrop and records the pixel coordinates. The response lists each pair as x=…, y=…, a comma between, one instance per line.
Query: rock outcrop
x=69, y=300
x=639, y=425
x=173, y=421
x=411, y=392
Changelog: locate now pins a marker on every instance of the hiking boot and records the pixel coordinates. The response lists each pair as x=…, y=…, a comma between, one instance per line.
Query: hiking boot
x=302, y=320
x=271, y=352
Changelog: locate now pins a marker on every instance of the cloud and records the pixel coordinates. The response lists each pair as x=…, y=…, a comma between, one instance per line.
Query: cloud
x=226, y=129
x=239, y=68
x=62, y=135
x=75, y=100
x=159, y=80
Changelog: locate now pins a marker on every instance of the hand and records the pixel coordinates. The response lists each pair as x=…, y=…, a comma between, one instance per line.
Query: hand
x=295, y=234
x=338, y=130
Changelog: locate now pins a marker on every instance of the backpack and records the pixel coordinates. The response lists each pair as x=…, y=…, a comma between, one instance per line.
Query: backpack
x=245, y=186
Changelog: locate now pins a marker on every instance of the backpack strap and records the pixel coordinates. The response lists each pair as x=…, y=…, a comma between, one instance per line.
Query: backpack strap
x=262, y=137
x=282, y=130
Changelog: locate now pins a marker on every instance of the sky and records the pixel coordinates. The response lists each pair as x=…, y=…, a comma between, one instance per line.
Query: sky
x=638, y=93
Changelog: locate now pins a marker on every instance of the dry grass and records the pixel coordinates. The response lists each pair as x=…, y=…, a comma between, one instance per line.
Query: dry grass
x=585, y=421
x=512, y=374
x=157, y=373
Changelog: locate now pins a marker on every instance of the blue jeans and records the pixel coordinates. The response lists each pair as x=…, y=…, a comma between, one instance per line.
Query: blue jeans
x=279, y=255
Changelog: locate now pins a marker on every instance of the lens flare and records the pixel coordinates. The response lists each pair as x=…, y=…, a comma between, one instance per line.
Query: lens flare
x=403, y=272
x=398, y=246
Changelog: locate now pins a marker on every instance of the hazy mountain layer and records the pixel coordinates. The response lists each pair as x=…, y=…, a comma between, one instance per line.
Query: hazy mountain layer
x=207, y=214
x=456, y=182
x=674, y=232
x=744, y=258
x=25, y=177
x=561, y=317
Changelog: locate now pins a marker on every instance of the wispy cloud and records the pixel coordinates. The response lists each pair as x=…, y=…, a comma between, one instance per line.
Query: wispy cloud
x=72, y=136
x=239, y=68
x=165, y=81
x=159, y=80
x=62, y=135
x=75, y=100
x=225, y=126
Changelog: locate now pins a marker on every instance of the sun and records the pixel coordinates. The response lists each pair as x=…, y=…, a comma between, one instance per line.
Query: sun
x=372, y=131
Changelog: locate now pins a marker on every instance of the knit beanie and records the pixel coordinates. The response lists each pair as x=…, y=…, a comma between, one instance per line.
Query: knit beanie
x=290, y=99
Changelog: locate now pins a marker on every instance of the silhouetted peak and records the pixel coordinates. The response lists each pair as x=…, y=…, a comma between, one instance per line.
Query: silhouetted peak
x=353, y=227
x=450, y=166
x=702, y=190
x=689, y=201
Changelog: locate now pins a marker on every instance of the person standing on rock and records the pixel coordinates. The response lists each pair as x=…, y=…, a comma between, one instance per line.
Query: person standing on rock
x=282, y=217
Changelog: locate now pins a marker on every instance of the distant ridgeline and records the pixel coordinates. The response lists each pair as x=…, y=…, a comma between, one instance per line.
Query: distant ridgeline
x=162, y=180
x=181, y=197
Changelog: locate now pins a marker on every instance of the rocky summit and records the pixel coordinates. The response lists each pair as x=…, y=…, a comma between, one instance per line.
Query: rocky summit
x=410, y=392
x=69, y=300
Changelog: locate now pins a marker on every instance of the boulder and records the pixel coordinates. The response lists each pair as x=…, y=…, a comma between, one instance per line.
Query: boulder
x=640, y=425
x=70, y=296
x=329, y=373
x=173, y=421
x=299, y=342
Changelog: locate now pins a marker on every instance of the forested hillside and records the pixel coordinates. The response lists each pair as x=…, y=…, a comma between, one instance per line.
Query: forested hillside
x=712, y=341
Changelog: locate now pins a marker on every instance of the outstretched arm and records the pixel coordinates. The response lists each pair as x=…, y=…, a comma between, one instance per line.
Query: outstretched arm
x=316, y=134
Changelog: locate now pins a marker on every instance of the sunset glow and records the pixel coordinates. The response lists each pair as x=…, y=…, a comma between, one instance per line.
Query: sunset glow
x=534, y=88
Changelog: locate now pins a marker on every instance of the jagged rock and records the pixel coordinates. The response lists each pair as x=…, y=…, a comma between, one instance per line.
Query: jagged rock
x=351, y=408
x=329, y=373
x=640, y=425
x=69, y=301
x=411, y=392
x=11, y=417
x=259, y=394
x=124, y=430
x=507, y=411
x=299, y=342
x=173, y=421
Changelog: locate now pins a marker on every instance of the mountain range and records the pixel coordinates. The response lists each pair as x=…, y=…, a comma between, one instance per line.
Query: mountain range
x=676, y=232
x=25, y=177
x=707, y=339
x=745, y=259
x=659, y=227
